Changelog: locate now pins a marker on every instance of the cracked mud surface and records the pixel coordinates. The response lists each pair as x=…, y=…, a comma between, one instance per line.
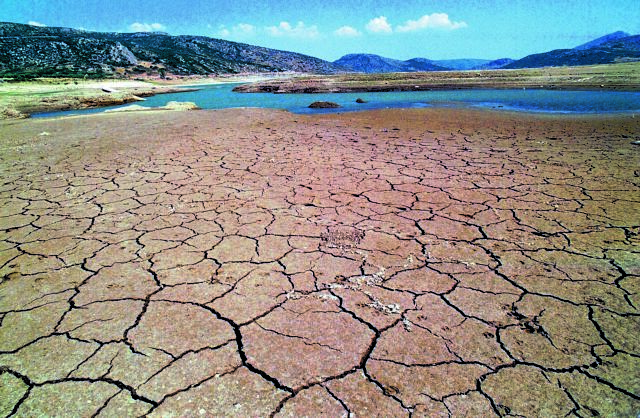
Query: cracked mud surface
x=257, y=263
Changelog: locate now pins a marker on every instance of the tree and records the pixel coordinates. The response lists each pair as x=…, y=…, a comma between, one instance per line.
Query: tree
x=163, y=73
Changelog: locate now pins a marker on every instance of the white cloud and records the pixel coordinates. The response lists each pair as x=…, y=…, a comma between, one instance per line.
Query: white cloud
x=432, y=21
x=379, y=25
x=238, y=31
x=38, y=24
x=244, y=28
x=147, y=27
x=298, y=31
x=347, y=32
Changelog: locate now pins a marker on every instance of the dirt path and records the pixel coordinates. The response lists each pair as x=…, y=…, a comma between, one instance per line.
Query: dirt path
x=256, y=263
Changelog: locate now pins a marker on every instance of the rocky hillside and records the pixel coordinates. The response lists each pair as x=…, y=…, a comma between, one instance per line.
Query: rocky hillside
x=606, y=50
x=46, y=51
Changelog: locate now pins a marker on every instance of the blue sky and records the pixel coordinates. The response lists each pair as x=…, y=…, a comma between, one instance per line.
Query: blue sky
x=328, y=29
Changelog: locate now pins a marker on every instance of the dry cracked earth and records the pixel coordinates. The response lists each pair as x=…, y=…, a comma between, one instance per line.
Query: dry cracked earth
x=258, y=263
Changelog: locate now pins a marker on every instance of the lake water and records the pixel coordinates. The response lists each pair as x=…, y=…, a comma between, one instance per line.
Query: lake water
x=546, y=101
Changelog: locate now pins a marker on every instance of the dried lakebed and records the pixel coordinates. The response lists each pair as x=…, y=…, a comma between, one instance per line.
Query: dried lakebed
x=254, y=263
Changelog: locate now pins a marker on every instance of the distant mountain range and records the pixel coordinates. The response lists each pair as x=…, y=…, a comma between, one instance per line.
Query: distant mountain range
x=369, y=63
x=602, y=40
x=609, y=49
x=612, y=48
x=462, y=64
x=495, y=64
x=31, y=51
x=27, y=50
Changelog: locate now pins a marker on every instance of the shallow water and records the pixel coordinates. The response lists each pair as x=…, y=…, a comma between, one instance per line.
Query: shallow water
x=539, y=101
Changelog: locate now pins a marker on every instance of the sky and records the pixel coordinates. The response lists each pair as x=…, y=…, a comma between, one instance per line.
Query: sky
x=328, y=29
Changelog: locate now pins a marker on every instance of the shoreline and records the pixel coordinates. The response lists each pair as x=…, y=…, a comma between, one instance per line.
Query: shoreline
x=99, y=101
x=19, y=100
x=614, y=77
x=301, y=89
x=458, y=113
x=479, y=109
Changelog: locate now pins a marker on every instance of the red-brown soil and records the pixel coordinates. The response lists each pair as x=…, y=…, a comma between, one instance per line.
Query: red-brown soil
x=253, y=262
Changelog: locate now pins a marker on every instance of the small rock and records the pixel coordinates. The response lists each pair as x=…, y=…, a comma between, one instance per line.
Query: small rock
x=324, y=105
x=408, y=326
x=635, y=143
x=359, y=100
x=181, y=106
